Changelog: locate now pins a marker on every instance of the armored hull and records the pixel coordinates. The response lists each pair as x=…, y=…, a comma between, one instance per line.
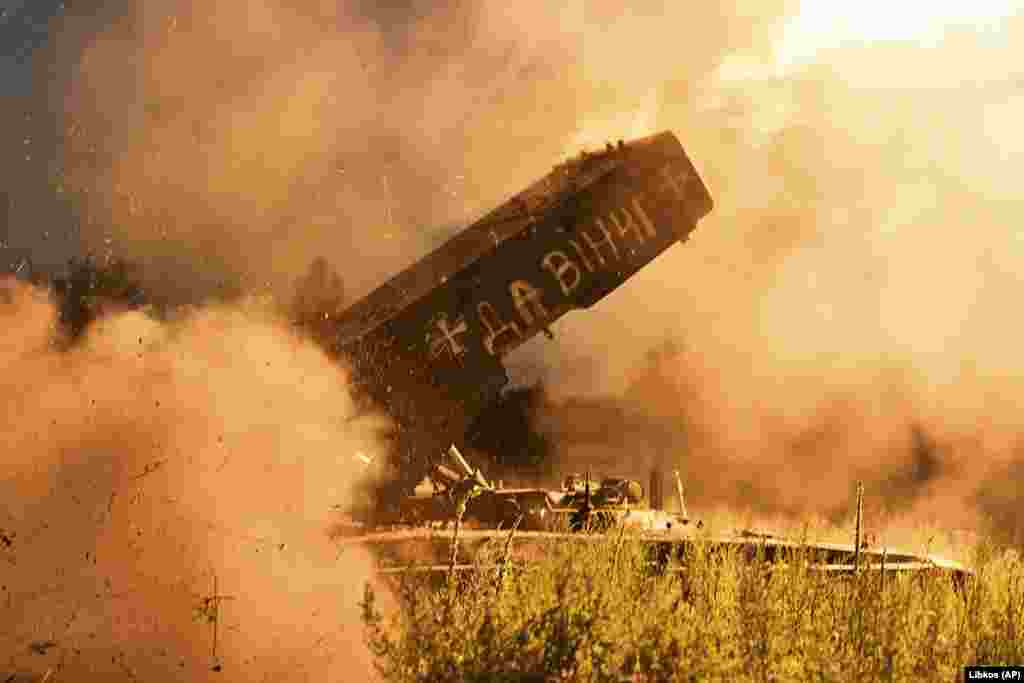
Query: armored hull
x=427, y=346
x=531, y=521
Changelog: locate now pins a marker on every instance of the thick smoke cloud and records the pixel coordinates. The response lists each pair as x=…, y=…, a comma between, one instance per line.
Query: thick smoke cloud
x=846, y=312
x=223, y=147
x=234, y=142
x=155, y=457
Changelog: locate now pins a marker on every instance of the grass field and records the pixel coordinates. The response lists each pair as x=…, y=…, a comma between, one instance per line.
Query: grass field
x=596, y=613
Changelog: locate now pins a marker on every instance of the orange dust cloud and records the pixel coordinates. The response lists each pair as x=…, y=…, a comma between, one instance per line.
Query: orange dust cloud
x=156, y=458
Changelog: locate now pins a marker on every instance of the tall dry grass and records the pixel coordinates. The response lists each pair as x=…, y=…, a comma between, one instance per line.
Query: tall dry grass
x=598, y=612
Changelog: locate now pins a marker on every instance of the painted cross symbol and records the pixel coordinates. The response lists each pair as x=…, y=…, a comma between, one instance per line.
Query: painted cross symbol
x=209, y=609
x=675, y=180
x=446, y=338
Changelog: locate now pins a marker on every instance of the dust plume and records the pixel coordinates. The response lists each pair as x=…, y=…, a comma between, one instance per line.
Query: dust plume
x=155, y=458
x=229, y=144
x=847, y=309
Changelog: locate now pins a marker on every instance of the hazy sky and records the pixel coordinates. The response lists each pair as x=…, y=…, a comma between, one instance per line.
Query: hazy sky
x=822, y=24
x=816, y=26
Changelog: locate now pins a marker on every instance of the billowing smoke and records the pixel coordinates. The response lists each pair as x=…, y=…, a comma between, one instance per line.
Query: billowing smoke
x=225, y=146
x=229, y=144
x=156, y=458
x=847, y=312
x=789, y=458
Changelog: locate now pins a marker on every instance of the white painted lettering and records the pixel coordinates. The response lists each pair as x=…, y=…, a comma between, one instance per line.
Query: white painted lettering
x=496, y=329
x=644, y=220
x=525, y=296
x=627, y=225
x=597, y=243
x=564, y=270
x=674, y=180
x=583, y=257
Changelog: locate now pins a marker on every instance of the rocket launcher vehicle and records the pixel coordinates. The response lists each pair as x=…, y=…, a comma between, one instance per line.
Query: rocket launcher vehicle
x=428, y=344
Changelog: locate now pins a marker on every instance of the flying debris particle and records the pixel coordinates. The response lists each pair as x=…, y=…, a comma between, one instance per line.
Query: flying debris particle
x=150, y=468
x=41, y=646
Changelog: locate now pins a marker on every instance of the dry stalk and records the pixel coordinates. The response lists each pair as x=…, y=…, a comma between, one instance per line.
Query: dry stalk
x=885, y=551
x=507, y=551
x=455, y=547
x=679, y=494
x=465, y=491
x=856, y=535
x=618, y=548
